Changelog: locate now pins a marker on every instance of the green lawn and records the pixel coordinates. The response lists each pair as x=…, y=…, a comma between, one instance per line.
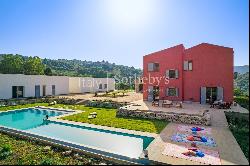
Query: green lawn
x=31, y=153
x=22, y=106
x=105, y=117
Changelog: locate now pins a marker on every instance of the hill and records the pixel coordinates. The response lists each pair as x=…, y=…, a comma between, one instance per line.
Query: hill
x=86, y=68
x=242, y=82
x=241, y=69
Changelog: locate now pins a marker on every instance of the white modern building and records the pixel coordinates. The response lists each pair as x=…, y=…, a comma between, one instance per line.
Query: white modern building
x=21, y=86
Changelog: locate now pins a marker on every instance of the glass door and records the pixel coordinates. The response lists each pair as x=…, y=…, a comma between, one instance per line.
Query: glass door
x=211, y=94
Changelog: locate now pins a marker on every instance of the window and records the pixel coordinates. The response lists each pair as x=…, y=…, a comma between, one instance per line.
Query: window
x=172, y=74
x=105, y=86
x=100, y=86
x=172, y=92
x=53, y=90
x=153, y=67
x=188, y=65
x=17, y=91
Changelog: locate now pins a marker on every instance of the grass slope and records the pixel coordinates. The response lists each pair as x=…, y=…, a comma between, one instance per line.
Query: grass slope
x=239, y=125
x=30, y=153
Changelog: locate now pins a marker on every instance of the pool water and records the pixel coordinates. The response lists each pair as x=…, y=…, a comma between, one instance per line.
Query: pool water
x=31, y=120
x=26, y=118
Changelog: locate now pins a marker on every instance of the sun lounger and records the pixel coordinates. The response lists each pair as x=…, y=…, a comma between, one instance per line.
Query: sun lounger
x=91, y=117
x=93, y=113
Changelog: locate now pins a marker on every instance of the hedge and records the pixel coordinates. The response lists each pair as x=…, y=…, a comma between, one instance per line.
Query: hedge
x=242, y=101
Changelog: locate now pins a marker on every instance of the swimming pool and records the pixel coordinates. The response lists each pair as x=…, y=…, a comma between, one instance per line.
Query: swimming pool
x=32, y=121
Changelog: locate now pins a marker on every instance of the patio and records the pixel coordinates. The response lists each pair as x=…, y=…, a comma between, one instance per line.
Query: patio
x=190, y=113
x=228, y=149
x=190, y=109
x=128, y=97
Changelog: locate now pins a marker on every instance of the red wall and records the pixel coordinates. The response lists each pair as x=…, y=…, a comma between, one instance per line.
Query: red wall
x=212, y=67
x=170, y=58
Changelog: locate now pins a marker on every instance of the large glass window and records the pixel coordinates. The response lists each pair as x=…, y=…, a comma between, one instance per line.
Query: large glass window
x=100, y=86
x=17, y=91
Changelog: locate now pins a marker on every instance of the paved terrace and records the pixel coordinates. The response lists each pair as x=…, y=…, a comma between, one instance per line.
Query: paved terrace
x=129, y=97
x=227, y=146
x=188, y=108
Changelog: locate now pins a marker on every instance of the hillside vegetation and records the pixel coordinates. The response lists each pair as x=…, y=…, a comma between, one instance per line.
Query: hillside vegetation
x=242, y=83
x=18, y=64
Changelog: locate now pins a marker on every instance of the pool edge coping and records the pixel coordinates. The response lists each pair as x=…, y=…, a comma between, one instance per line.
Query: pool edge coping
x=81, y=149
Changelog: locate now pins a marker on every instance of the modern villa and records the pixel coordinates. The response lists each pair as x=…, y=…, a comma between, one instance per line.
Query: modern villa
x=20, y=86
x=119, y=128
x=200, y=73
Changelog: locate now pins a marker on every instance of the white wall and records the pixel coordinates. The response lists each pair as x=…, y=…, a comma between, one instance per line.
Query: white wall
x=64, y=84
x=91, y=85
x=94, y=82
x=74, y=85
x=29, y=82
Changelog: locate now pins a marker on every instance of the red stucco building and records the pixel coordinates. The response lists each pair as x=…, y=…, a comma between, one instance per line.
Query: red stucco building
x=196, y=74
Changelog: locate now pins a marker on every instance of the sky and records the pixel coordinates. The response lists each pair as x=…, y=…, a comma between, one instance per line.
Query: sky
x=120, y=31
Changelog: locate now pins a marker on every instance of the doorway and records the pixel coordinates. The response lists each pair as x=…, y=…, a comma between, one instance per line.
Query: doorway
x=153, y=93
x=211, y=94
x=44, y=90
x=37, y=91
x=156, y=93
x=53, y=90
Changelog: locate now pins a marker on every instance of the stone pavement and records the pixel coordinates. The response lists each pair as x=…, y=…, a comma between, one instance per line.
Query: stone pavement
x=227, y=146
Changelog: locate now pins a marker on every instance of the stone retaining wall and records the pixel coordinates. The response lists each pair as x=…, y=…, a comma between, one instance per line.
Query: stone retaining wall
x=203, y=119
x=13, y=102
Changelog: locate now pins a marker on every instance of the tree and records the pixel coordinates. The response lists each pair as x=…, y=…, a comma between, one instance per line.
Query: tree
x=238, y=92
x=33, y=66
x=11, y=64
x=236, y=75
x=48, y=71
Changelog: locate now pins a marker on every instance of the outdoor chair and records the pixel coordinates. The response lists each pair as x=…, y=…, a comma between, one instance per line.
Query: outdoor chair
x=225, y=105
x=167, y=103
x=155, y=103
x=216, y=103
x=179, y=105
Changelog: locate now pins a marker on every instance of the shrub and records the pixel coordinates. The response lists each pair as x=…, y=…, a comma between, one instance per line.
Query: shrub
x=242, y=101
x=47, y=161
x=6, y=150
x=104, y=104
x=238, y=92
x=239, y=125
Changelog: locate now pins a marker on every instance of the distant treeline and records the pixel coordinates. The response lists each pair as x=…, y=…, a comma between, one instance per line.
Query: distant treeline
x=18, y=64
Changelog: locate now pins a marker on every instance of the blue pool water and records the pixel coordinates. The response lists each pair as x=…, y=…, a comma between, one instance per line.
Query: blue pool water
x=31, y=120
x=26, y=118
